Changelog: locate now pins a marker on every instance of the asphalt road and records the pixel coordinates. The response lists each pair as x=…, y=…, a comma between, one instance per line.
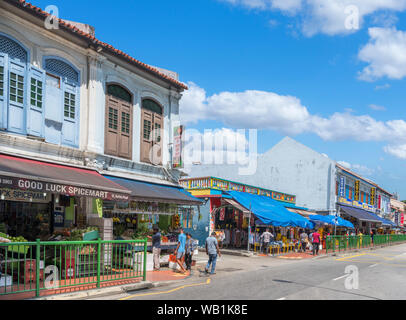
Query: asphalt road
x=370, y=274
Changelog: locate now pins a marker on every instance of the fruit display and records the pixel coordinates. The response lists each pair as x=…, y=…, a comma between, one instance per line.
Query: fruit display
x=13, y=239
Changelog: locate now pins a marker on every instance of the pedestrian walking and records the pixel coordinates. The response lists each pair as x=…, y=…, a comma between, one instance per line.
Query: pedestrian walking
x=266, y=238
x=212, y=250
x=180, y=250
x=189, y=248
x=303, y=240
x=316, y=242
x=156, y=248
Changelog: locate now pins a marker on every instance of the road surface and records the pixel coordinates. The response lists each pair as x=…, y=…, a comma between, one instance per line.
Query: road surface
x=369, y=274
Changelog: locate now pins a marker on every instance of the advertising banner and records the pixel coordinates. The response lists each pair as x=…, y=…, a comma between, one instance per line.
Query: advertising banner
x=177, y=147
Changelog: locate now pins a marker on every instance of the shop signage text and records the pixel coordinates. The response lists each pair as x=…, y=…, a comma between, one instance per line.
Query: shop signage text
x=373, y=195
x=39, y=186
x=356, y=193
x=342, y=186
x=357, y=204
x=21, y=195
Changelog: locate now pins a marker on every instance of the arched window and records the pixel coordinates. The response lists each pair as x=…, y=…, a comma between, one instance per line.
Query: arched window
x=14, y=72
x=119, y=92
x=62, y=97
x=13, y=49
x=61, y=68
x=151, y=131
x=118, y=124
x=152, y=106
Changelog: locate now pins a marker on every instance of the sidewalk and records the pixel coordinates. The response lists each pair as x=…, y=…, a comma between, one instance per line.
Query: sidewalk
x=86, y=290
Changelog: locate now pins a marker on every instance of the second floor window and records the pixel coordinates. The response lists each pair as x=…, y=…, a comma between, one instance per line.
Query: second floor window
x=118, y=128
x=151, y=132
x=62, y=98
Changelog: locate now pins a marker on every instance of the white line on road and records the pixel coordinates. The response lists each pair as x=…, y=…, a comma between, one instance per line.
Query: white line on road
x=346, y=275
x=284, y=298
x=373, y=265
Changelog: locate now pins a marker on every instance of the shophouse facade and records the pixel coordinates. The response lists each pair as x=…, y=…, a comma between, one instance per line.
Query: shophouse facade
x=70, y=100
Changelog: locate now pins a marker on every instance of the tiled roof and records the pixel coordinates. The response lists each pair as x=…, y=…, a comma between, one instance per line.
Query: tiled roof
x=69, y=27
x=362, y=178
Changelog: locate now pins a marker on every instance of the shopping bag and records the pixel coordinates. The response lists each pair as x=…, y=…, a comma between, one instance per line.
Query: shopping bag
x=321, y=247
x=311, y=248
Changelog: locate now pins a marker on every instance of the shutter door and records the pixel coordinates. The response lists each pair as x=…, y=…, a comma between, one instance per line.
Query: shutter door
x=35, y=102
x=125, y=143
x=70, y=127
x=146, y=135
x=3, y=90
x=17, y=97
x=112, y=126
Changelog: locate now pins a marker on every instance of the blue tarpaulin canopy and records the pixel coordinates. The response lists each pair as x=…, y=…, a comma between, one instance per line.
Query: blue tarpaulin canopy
x=385, y=222
x=269, y=211
x=330, y=219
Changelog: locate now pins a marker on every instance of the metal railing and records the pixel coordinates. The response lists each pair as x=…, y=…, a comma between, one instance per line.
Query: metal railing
x=344, y=243
x=34, y=267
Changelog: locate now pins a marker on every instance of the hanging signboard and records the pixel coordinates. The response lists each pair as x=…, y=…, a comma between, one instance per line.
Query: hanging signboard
x=342, y=186
x=177, y=147
x=356, y=193
x=373, y=195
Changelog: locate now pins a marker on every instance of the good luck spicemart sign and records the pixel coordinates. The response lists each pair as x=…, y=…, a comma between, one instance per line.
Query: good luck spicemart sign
x=39, y=186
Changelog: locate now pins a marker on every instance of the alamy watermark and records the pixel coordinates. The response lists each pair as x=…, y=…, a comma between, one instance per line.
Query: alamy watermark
x=52, y=21
x=353, y=17
x=352, y=280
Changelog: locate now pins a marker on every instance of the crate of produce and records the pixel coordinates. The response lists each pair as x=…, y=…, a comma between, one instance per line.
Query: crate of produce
x=6, y=281
x=92, y=235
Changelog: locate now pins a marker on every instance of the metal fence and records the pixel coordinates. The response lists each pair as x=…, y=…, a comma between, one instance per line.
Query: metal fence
x=344, y=243
x=40, y=266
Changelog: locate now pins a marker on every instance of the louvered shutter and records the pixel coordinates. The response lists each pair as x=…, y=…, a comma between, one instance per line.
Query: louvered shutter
x=35, y=101
x=70, y=128
x=17, y=97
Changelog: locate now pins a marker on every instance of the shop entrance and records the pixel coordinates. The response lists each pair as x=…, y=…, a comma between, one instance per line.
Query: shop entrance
x=25, y=219
x=231, y=227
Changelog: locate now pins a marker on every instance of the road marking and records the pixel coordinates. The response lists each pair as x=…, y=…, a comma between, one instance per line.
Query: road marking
x=346, y=275
x=374, y=265
x=381, y=263
x=169, y=291
x=284, y=298
x=354, y=256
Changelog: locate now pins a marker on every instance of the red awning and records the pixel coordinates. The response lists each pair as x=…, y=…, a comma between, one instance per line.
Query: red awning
x=24, y=174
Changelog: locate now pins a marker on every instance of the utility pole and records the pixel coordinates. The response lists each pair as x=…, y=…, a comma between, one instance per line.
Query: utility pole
x=249, y=229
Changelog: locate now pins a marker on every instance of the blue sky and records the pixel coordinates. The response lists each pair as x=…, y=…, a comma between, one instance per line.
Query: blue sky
x=271, y=49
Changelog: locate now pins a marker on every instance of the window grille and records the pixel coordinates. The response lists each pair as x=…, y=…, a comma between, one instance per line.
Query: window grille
x=62, y=69
x=13, y=49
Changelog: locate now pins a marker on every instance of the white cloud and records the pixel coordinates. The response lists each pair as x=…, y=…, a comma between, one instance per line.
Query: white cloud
x=330, y=17
x=253, y=109
x=398, y=151
x=358, y=168
x=377, y=107
x=385, y=54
